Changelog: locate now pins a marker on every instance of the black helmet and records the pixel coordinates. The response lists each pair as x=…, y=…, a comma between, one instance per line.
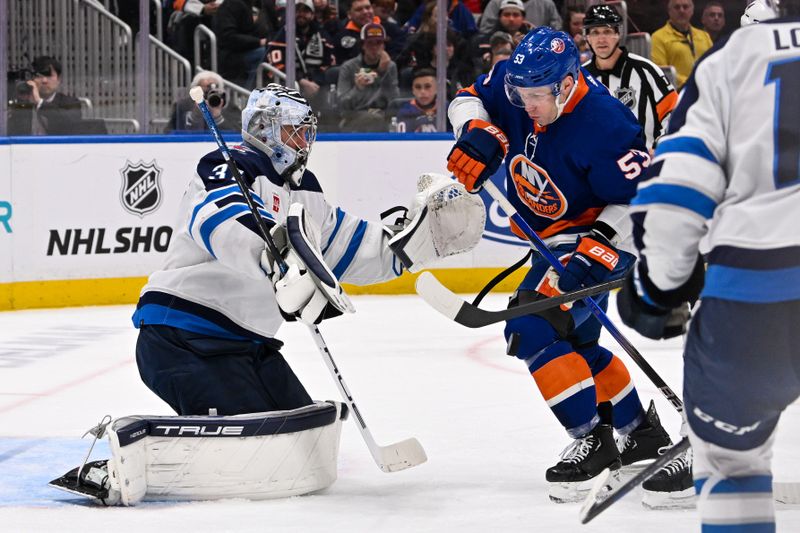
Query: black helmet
x=601, y=15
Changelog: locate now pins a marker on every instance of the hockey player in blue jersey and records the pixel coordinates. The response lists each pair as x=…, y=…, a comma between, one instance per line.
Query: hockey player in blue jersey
x=725, y=182
x=573, y=155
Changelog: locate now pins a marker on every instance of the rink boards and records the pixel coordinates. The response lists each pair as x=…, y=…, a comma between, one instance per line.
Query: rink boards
x=84, y=220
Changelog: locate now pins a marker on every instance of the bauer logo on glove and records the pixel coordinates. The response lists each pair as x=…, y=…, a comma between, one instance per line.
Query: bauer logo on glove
x=477, y=154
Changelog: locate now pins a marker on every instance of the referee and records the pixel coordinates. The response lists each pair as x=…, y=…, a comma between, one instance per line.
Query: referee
x=635, y=81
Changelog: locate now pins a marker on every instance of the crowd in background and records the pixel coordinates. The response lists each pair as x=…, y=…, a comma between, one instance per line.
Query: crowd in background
x=370, y=65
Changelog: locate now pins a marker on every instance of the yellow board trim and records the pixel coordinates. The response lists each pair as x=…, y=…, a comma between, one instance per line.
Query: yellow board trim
x=115, y=291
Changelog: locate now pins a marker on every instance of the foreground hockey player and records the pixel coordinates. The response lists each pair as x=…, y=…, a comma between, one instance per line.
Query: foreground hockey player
x=573, y=155
x=208, y=319
x=673, y=486
x=727, y=171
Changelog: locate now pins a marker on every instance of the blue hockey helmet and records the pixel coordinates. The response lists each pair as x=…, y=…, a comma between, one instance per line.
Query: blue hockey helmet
x=542, y=59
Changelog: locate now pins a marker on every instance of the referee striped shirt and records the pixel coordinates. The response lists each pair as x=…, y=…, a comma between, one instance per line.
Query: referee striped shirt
x=641, y=85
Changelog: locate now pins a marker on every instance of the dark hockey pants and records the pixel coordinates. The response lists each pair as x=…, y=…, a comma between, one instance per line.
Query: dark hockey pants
x=194, y=373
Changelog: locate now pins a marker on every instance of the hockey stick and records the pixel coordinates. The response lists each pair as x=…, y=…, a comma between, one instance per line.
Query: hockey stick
x=596, y=309
x=606, y=493
x=390, y=458
x=450, y=305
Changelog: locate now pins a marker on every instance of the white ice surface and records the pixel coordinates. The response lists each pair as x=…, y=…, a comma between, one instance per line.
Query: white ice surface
x=488, y=434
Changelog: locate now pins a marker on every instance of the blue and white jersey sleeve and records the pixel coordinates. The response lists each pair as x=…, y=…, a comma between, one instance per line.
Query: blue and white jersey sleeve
x=355, y=249
x=222, y=225
x=685, y=181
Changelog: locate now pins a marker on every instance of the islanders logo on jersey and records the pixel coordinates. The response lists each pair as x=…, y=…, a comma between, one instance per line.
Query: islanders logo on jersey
x=557, y=45
x=536, y=189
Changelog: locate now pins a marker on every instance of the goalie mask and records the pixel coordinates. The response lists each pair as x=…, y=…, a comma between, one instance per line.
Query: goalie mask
x=280, y=123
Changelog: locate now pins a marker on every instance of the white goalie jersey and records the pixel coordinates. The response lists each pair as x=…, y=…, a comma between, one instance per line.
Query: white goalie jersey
x=212, y=282
x=730, y=162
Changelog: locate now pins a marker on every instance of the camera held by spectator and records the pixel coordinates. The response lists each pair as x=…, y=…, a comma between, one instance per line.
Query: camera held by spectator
x=186, y=116
x=38, y=107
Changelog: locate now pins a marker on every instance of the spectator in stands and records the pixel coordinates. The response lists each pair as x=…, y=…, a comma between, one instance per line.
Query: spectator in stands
x=327, y=16
x=502, y=44
x=678, y=43
x=421, y=53
x=186, y=116
x=419, y=115
x=573, y=21
x=187, y=15
x=241, y=42
x=347, y=43
x=459, y=17
x=713, y=19
x=313, y=56
x=537, y=12
x=395, y=33
x=367, y=83
x=38, y=108
x=511, y=21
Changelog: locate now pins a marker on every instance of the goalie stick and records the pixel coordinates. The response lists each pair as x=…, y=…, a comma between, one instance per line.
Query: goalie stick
x=608, y=490
x=390, y=458
x=450, y=305
x=598, y=312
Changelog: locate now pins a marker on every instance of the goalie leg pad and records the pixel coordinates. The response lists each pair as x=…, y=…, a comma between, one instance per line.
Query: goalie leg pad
x=444, y=220
x=255, y=456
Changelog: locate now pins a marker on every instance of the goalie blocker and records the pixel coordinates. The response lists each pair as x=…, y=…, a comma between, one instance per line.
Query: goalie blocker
x=254, y=456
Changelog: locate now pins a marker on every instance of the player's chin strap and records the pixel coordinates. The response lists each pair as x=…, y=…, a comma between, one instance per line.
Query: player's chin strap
x=560, y=106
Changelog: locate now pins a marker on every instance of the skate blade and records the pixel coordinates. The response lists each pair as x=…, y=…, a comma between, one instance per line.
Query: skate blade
x=658, y=501
x=569, y=492
x=577, y=491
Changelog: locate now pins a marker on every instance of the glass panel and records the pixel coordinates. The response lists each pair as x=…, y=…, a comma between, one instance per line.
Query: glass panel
x=73, y=65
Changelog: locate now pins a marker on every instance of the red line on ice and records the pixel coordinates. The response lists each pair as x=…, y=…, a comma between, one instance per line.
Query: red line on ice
x=475, y=352
x=65, y=386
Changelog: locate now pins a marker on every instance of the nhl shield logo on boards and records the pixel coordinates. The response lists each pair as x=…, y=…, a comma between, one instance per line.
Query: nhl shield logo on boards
x=141, y=187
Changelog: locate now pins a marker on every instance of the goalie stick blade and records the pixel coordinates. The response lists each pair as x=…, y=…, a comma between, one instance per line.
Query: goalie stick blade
x=402, y=455
x=610, y=491
x=450, y=305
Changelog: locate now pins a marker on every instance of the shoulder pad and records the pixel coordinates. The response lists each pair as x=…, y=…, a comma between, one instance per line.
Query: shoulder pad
x=213, y=169
x=308, y=183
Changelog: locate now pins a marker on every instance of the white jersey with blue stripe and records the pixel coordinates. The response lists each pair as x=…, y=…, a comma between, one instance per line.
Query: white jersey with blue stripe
x=212, y=282
x=728, y=171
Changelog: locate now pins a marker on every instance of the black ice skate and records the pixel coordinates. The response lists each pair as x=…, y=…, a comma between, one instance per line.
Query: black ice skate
x=89, y=480
x=672, y=487
x=585, y=458
x=640, y=447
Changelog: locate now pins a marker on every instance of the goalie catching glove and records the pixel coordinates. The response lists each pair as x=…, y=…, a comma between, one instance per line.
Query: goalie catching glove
x=308, y=290
x=443, y=220
x=477, y=154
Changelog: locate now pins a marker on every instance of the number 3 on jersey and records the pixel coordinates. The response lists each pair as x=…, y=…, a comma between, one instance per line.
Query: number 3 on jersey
x=219, y=172
x=632, y=163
